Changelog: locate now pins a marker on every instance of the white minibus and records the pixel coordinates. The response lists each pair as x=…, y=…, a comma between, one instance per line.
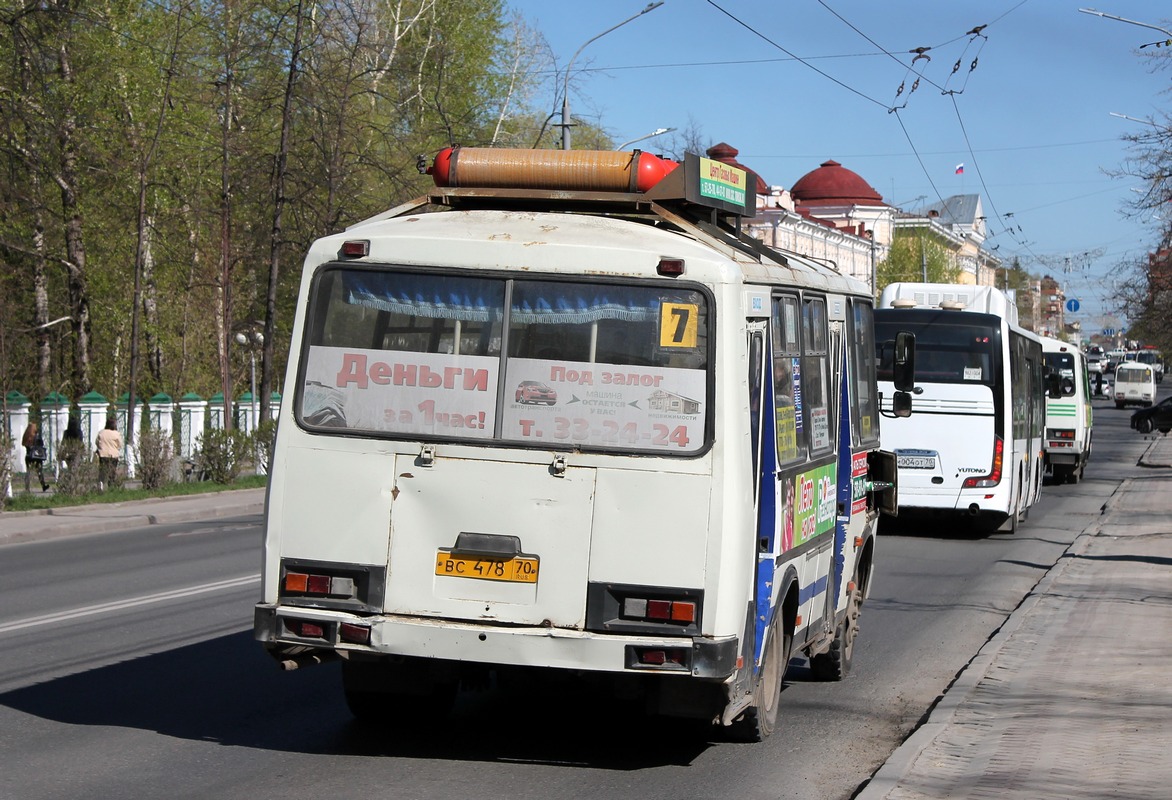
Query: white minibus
x=1135, y=384
x=562, y=414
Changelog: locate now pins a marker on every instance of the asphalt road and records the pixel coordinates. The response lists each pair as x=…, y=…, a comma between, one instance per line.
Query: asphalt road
x=130, y=671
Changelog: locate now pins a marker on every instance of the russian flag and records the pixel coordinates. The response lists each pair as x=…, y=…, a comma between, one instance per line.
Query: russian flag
x=960, y=169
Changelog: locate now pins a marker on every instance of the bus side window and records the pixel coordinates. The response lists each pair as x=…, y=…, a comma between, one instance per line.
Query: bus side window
x=791, y=434
x=865, y=415
x=815, y=375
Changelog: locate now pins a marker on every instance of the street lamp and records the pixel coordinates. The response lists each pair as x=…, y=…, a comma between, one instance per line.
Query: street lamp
x=252, y=340
x=656, y=132
x=566, y=82
x=1133, y=22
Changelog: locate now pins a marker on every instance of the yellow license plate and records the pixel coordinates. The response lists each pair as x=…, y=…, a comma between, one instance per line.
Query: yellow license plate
x=519, y=569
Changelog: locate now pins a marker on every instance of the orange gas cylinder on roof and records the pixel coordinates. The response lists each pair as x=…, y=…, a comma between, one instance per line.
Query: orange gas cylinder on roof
x=570, y=170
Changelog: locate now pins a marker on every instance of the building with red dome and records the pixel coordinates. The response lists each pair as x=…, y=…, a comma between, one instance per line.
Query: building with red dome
x=833, y=214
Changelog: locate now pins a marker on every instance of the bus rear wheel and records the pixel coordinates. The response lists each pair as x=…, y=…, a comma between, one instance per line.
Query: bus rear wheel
x=760, y=719
x=835, y=663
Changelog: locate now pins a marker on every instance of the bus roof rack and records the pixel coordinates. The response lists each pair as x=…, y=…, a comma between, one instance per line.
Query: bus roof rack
x=708, y=197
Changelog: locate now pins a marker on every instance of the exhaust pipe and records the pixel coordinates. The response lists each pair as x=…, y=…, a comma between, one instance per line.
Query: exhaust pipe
x=974, y=510
x=308, y=659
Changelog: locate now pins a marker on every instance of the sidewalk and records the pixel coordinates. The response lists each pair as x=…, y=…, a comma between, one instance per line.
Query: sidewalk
x=1072, y=697
x=22, y=526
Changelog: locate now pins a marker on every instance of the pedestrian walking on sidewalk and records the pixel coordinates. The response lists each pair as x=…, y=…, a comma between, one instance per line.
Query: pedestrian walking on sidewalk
x=71, y=441
x=34, y=456
x=109, y=451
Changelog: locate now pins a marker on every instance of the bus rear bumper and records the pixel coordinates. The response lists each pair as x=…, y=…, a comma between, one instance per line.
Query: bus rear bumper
x=290, y=633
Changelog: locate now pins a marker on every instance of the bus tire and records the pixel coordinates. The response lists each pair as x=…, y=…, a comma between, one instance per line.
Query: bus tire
x=760, y=718
x=835, y=663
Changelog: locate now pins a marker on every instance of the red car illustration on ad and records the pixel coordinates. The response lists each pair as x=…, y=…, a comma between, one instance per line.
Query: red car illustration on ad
x=534, y=392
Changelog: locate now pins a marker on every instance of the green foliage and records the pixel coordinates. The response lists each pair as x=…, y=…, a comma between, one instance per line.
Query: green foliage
x=266, y=438
x=6, y=467
x=1016, y=279
x=222, y=453
x=78, y=474
x=376, y=84
x=913, y=253
x=155, y=458
x=36, y=500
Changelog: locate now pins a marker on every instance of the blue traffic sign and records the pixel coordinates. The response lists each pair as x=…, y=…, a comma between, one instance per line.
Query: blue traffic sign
x=1108, y=331
x=1072, y=305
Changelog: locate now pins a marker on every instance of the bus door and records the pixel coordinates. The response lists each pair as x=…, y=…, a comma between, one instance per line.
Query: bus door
x=816, y=497
x=843, y=487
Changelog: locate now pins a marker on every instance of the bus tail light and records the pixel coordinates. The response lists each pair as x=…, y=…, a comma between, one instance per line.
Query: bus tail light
x=1059, y=433
x=669, y=659
x=994, y=477
x=304, y=583
x=616, y=608
x=356, y=248
x=354, y=634
x=305, y=629
x=659, y=610
x=670, y=267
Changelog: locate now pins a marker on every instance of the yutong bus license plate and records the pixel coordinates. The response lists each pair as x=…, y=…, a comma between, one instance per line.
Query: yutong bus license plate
x=916, y=462
x=519, y=569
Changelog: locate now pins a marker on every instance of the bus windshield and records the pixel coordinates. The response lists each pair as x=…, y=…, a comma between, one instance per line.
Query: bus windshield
x=950, y=347
x=567, y=363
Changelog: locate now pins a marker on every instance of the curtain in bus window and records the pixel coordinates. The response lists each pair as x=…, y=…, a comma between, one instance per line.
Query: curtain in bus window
x=601, y=323
x=572, y=304
x=428, y=296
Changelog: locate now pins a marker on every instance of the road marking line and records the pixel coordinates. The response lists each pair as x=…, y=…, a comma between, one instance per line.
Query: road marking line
x=132, y=602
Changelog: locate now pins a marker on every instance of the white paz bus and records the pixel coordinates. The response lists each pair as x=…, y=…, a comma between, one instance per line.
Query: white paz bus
x=561, y=413
x=974, y=446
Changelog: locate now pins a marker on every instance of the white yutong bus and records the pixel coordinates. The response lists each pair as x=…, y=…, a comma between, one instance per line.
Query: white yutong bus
x=1069, y=417
x=562, y=413
x=974, y=445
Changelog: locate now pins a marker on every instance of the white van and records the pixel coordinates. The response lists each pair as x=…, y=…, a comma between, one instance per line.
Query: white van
x=1135, y=384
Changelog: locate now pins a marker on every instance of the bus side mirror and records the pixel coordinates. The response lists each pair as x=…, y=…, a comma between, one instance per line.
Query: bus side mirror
x=901, y=404
x=903, y=366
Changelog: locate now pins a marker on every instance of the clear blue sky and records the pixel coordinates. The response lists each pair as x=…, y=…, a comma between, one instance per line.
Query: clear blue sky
x=792, y=84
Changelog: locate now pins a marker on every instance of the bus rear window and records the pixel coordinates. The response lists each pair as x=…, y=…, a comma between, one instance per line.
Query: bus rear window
x=945, y=353
x=542, y=363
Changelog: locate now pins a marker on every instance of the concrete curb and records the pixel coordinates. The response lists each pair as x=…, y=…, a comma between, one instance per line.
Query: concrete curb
x=27, y=526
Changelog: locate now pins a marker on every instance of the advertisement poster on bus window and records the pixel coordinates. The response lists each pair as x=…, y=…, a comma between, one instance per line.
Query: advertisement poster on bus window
x=815, y=503
x=400, y=392
x=819, y=428
x=859, y=470
x=570, y=403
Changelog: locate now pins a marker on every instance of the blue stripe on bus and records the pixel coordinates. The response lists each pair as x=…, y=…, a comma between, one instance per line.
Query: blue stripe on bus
x=767, y=515
x=807, y=593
